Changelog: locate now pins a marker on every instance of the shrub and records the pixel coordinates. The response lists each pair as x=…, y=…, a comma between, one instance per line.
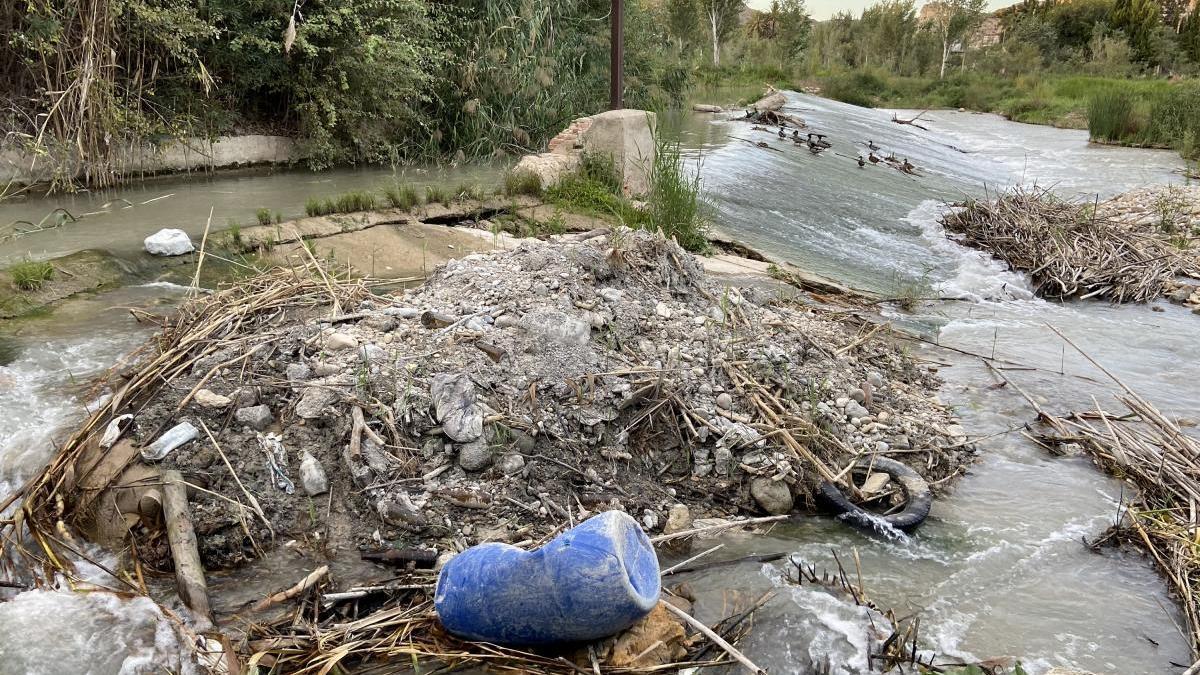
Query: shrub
x=263, y=216
x=435, y=194
x=344, y=203
x=29, y=275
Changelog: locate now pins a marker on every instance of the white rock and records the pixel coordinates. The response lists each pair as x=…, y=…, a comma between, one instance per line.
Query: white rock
x=207, y=398
x=336, y=342
x=663, y=310
x=168, y=242
x=724, y=401
x=312, y=475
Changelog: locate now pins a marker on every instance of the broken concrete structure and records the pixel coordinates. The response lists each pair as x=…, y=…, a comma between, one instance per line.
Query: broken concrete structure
x=625, y=135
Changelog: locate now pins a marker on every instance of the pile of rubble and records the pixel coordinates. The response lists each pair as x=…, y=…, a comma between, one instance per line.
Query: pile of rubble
x=519, y=391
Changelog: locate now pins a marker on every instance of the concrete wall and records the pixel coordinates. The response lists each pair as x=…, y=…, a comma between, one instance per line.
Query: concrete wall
x=625, y=135
x=194, y=154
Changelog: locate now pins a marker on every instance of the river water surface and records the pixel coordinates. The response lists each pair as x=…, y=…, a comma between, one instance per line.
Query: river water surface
x=1000, y=568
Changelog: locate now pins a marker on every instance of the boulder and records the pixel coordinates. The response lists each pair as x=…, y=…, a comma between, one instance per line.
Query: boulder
x=707, y=108
x=774, y=496
x=314, y=401
x=772, y=101
x=476, y=455
x=628, y=137
x=167, y=242
x=312, y=475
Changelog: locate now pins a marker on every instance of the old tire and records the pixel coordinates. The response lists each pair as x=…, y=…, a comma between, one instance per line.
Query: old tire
x=917, y=498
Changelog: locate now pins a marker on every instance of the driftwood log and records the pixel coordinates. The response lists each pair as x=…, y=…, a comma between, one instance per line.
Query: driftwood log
x=189, y=572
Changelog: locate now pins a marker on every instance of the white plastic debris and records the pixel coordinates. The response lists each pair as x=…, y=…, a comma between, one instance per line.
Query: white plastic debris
x=272, y=446
x=176, y=436
x=112, y=433
x=169, y=242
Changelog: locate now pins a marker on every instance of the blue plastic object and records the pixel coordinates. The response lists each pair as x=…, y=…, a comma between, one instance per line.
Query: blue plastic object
x=589, y=582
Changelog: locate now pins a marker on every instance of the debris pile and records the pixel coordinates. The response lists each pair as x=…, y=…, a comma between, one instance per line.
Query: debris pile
x=1133, y=248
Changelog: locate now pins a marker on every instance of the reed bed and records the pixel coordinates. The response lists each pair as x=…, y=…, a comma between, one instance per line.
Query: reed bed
x=1073, y=250
x=1149, y=449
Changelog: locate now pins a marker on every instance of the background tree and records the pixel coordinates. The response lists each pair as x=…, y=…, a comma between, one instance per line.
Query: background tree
x=794, y=27
x=1137, y=19
x=721, y=17
x=683, y=20
x=953, y=21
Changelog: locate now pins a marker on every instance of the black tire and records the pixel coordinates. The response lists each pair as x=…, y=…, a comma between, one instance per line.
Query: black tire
x=918, y=500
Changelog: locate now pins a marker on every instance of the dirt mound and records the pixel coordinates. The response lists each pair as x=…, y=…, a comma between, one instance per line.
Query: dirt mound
x=515, y=392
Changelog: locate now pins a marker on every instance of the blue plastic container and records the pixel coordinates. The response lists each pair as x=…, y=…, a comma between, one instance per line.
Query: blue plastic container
x=589, y=582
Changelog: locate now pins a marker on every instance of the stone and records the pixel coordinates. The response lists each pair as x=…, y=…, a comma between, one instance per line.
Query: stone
x=455, y=406
x=1181, y=294
x=168, y=242
x=256, y=417
x=506, y=321
x=312, y=475
x=856, y=411
x=476, y=455
x=875, y=379
x=707, y=108
x=336, y=342
x=550, y=168
x=402, y=312
x=774, y=496
x=207, y=398
x=956, y=431
x=511, y=463
x=314, y=401
x=679, y=518
x=554, y=326
x=298, y=372
x=1059, y=670
x=724, y=401
x=881, y=447
x=245, y=397
x=663, y=310
x=381, y=322
x=372, y=353
x=649, y=520
x=400, y=511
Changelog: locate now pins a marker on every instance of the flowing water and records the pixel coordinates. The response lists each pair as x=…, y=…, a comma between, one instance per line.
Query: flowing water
x=999, y=569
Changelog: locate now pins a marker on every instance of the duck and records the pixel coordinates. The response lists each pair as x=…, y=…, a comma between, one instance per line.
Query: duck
x=814, y=148
x=873, y=158
x=796, y=135
x=782, y=134
x=861, y=162
x=871, y=146
x=822, y=142
x=907, y=166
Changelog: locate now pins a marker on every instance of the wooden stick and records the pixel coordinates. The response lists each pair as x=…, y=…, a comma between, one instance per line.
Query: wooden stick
x=185, y=552
x=304, y=584
x=716, y=639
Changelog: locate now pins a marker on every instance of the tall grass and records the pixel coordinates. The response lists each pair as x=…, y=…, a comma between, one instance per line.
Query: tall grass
x=403, y=197
x=29, y=275
x=1167, y=117
x=675, y=205
x=522, y=183
x=1112, y=116
x=348, y=202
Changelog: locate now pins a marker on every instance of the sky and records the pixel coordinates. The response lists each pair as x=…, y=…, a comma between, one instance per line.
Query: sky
x=823, y=9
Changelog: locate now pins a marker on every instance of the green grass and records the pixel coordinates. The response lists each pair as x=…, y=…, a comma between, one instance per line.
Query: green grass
x=675, y=205
x=403, y=197
x=435, y=194
x=1166, y=116
x=522, y=183
x=29, y=275
x=233, y=231
x=468, y=192
x=348, y=202
x=263, y=216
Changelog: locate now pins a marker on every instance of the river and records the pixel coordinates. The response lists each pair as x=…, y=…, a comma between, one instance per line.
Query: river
x=1000, y=567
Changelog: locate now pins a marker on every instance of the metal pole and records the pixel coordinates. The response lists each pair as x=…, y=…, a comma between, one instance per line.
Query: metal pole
x=616, y=79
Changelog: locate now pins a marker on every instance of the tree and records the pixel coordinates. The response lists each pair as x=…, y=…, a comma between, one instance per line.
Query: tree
x=953, y=21
x=793, y=26
x=1137, y=19
x=683, y=18
x=722, y=18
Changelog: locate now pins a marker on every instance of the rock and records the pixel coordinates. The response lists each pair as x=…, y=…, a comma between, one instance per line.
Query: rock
x=707, y=108
x=298, y=372
x=649, y=520
x=679, y=518
x=511, y=463
x=399, y=510
x=372, y=353
x=724, y=401
x=207, y=398
x=455, y=407
x=858, y=396
x=402, y=312
x=336, y=342
x=856, y=411
x=323, y=369
x=314, y=401
x=381, y=322
x=476, y=455
x=774, y=496
x=244, y=397
x=168, y=242
x=881, y=447
x=611, y=294
x=771, y=102
x=256, y=417
x=722, y=460
x=1181, y=294
x=506, y=321
x=657, y=639
x=1059, y=670
x=663, y=310
x=523, y=441
x=312, y=475
x=550, y=168
x=875, y=379
x=956, y=431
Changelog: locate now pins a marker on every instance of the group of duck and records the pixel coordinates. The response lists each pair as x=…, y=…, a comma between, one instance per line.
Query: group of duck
x=817, y=144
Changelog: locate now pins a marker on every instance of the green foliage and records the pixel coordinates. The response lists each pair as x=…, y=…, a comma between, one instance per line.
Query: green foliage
x=1112, y=116
x=263, y=216
x=348, y=202
x=29, y=275
x=234, y=232
x=436, y=194
x=522, y=183
x=403, y=197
